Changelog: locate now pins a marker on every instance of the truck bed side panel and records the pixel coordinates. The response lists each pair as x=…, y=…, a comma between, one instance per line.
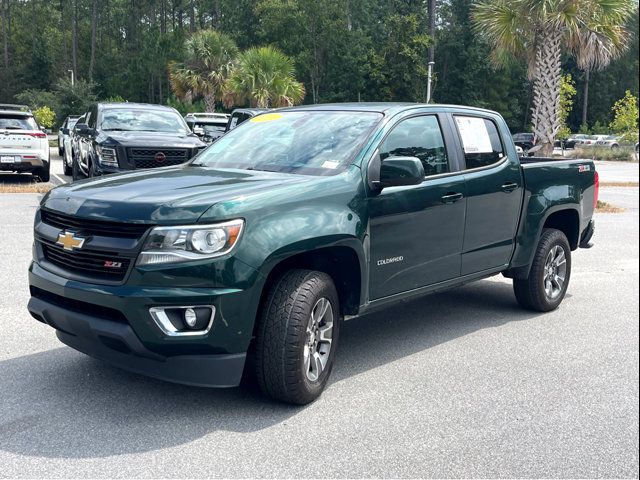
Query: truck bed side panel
x=550, y=187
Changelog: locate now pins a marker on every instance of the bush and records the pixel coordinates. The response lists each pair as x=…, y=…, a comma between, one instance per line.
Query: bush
x=44, y=116
x=622, y=154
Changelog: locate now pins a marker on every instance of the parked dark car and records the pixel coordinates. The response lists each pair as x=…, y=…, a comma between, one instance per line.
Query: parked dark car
x=257, y=248
x=208, y=126
x=523, y=140
x=116, y=137
x=241, y=115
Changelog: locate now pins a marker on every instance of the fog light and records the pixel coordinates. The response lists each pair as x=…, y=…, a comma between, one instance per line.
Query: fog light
x=190, y=320
x=190, y=317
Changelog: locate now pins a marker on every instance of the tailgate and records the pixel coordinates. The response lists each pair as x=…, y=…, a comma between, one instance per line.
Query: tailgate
x=19, y=141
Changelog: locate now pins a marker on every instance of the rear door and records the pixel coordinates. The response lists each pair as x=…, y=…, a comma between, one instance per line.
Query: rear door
x=494, y=188
x=416, y=231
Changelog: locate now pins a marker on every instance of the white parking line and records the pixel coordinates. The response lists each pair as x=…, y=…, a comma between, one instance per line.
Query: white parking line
x=60, y=179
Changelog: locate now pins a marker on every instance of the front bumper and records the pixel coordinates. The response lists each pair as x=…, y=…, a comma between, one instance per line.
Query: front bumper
x=117, y=344
x=113, y=323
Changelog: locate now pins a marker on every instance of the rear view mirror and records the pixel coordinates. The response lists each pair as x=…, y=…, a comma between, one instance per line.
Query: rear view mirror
x=399, y=171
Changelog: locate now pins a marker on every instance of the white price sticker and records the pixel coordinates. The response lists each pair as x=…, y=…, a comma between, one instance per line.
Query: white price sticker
x=474, y=133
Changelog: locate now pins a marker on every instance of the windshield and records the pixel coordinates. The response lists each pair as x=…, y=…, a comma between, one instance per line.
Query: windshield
x=308, y=143
x=17, y=122
x=72, y=122
x=142, y=120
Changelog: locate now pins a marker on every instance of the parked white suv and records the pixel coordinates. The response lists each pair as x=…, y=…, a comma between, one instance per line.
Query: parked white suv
x=23, y=146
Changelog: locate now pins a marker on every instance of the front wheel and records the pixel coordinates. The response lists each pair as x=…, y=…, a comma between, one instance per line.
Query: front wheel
x=297, y=336
x=549, y=276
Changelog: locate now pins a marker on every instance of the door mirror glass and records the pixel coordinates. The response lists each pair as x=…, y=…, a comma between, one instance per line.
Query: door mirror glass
x=82, y=128
x=399, y=171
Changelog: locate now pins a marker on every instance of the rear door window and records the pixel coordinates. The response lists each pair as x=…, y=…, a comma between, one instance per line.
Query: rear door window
x=480, y=140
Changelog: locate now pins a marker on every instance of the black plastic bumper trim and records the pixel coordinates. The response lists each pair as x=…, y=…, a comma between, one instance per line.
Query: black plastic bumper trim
x=117, y=344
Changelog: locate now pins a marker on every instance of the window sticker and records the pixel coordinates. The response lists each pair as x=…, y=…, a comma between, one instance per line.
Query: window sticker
x=266, y=117
x=332, y=164
x=474, y=134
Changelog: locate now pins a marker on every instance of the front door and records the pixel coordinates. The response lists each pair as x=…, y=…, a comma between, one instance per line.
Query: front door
x=416, y=231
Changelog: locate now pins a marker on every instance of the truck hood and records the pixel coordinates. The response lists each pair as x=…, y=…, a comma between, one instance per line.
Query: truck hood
x=149, y=139
x=168, y=195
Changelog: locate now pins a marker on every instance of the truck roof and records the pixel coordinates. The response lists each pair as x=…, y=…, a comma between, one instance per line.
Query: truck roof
x=380, y=107
x=132, y=105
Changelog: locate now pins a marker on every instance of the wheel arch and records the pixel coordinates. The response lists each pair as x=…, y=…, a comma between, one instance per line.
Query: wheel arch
x=341, y=261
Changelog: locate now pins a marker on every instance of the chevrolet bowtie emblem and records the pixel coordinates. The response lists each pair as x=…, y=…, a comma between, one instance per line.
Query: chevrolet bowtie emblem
x=69, y=241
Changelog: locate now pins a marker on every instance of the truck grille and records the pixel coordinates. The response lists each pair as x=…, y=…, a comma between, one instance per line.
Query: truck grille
x=93, y=227
x=157, y=157
x=100, y=265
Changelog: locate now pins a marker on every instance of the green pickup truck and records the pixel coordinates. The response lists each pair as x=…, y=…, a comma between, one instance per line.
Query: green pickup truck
x=246, y=259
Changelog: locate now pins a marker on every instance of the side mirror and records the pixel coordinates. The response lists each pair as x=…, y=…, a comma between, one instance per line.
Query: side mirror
x=83, y=129
x=399, y=171
x=64, y=131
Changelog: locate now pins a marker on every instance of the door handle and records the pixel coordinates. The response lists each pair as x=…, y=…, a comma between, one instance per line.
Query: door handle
x=451, y=197
x=509, y=187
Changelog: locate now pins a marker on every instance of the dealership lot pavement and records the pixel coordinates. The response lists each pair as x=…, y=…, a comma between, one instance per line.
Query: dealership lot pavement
x=458, y=384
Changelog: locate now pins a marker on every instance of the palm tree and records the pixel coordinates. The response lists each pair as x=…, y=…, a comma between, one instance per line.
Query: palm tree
x=540, y=30
x=209, y=57
x=264, y=77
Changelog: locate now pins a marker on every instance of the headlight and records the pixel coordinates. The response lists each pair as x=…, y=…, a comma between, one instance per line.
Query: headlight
x=190, y=242
x=107, y=156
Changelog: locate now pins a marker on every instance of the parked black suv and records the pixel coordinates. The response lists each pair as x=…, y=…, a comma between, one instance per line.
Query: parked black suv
x=126, y=136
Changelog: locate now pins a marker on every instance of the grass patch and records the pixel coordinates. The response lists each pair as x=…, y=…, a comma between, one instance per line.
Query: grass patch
x=604, y=207
x=621, y=154
x=25, y=187
x=619, y=184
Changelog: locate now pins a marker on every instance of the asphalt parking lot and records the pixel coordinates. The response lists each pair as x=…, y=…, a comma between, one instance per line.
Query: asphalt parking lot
x=458, y=384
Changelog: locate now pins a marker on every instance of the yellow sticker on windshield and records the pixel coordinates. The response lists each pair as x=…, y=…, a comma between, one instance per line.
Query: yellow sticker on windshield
x=266, y=117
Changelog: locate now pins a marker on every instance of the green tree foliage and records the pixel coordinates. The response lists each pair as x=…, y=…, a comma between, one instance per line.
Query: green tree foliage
x=342, y=50
x=592, y=30
x=567, y=93
x=207, y=65
x=44, y=116
x=399, y=67
x=264, y=77
x=625, y=117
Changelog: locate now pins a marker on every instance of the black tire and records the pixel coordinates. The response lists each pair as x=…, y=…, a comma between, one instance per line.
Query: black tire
x=91, y=167
x=76, y=173
x=61, y=151
x=531, y=293
x=42, y=174
x=282, y=336
x=66, y=168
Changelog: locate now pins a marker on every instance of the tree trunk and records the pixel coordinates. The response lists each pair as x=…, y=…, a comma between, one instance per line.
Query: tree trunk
x=546, y=90
x=6, y=18
x=74, y=39
x=94, y=23
x=192, y=17
x=210, y=102
x=585, y=98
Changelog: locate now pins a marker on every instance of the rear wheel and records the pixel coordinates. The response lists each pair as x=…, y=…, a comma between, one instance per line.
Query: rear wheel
x=67, y=169
x=42, y=174
x=297, y=335
x=549, y=276
x=76, y=173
